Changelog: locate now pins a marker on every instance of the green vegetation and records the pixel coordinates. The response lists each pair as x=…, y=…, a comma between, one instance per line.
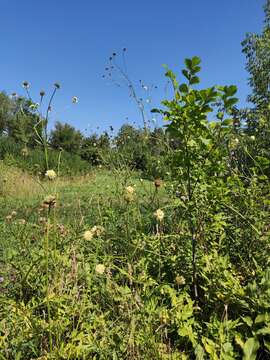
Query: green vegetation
x=150, y=244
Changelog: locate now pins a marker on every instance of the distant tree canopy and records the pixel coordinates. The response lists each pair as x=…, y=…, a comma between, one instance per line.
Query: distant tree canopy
x=256, y=47
x=18, y=120
x=66, y=137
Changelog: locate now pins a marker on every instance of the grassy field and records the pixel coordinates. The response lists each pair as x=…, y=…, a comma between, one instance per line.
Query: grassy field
x=101, y=267
x=72, y=269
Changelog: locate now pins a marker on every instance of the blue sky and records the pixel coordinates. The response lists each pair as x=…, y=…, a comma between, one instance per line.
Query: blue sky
x=71, y=41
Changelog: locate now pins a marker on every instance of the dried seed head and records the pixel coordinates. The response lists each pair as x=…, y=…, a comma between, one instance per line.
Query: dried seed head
x=158, y=183
x=25, y=85
x=49, y=201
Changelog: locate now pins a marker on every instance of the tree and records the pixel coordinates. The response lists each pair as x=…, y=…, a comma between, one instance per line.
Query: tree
x=256, y=47
x=66, y=137
x=94, y=146
x=5, y=111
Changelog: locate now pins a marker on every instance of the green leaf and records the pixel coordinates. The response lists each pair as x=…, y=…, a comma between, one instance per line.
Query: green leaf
x=183, y=88
x=230, y=102
x=250, y=349
x=195, y=61
x=230, y=90
x=194, y=80
x=188, y=63
x=186, y=74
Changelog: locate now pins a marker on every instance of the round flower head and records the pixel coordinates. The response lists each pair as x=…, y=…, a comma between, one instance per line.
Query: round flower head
x=130, y=189
x=49, y=201
x=180, y=280
x=51, y=174
x=25, y=85
x=159, y=214
x=252, y=138
x=57, y=85
x=97, y=230
x=21, y=221
x=88, y=235
x=42, y=93
x=100, y=269
x=158, y=183
x=75, y=100
x=25, y=151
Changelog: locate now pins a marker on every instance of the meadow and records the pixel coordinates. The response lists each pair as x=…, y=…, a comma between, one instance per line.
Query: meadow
x=151, y=244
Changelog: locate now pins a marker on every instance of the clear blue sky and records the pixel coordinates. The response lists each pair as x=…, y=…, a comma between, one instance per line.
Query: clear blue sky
x=70, y=42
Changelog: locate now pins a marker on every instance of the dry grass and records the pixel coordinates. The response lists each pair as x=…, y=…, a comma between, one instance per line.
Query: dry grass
x=17, y=183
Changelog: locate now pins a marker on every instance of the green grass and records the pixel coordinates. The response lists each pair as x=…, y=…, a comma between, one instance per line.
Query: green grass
x=56, y=302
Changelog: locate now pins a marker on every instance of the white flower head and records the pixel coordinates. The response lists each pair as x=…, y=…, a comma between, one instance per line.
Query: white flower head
x=130, y=189
x=100, y=269
x=50, y=174
x=159, y=214
x=88, y=235
x=25, y=85
x=75, y=100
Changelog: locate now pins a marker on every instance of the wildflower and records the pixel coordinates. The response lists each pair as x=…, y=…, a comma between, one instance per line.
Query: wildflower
x=88, y=235
x=158, y=183
x=57, y=85
x=100, y=269
x=75, y=100
x=159, y=214
x=98, y=230
x=42, y=220
x=252, y=138
x=49, y=201
x=51, y=174
x=24, y=152
x=14, y=95
x=180, y=280
x=13, y=213
x=1, y=279
x=130, y=189
x=25, y=85
x=21, y=221
x=42, y=93
x=8, y=218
